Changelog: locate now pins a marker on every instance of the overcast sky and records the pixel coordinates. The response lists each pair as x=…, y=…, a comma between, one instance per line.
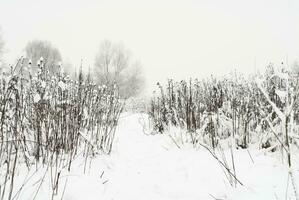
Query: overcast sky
x=171, y=38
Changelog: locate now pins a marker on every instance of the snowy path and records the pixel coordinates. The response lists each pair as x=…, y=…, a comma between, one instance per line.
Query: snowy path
x=150, y=167
x=153, y=168
x=145, y=167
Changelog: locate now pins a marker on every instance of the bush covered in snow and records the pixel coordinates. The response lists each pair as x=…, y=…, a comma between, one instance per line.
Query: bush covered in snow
x=244, y=108
x=50, y=119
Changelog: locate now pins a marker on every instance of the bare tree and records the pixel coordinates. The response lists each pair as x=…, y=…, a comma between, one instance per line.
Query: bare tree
x=37, y=49
x=113, y=66
x=134, y=81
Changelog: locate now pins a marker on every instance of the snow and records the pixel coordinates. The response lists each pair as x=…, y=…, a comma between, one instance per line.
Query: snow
x=282, y=94
x=43, y=84
x=36, y=98
x=281, y=75
x=62, y=85
x=280, y=114
x=152, y=167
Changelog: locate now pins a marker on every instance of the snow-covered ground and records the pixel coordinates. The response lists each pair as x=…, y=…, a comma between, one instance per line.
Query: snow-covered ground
x=152, y=167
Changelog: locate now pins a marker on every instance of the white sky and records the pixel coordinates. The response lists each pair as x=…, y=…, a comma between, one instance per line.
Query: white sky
x=179, y=39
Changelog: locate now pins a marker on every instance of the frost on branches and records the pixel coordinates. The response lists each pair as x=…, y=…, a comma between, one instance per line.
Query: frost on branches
x=48, y=119
x=233, y=111
x=247, y=109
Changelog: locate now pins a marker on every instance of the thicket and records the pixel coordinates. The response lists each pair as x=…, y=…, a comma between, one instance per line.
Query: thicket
x=233, y=111
x=244, y=108
x=48, y=120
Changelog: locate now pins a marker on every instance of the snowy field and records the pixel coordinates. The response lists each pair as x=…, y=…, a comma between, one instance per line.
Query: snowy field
x=152, y=167
x=153, y=100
